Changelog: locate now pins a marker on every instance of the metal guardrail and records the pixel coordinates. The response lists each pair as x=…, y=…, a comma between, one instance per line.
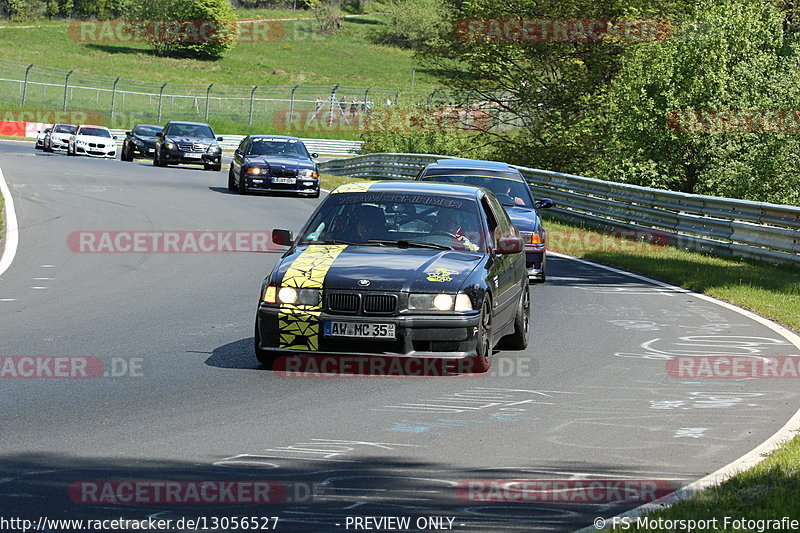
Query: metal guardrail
x=320, y=146
x=723, y=226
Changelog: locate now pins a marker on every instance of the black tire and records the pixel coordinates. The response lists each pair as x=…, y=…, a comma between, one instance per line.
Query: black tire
x=265, y=357
x=48, y=147
x=519, y=339
x=231, y=183
x=126, y=153
x=315, y=195
x=240, y=188
x=543, y=276
x=484, y=338
x=217, y=167
x=158, y=160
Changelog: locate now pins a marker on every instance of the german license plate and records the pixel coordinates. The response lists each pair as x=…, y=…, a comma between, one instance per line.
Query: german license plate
x=359, y=329
x=150, y=150
x=190, y=155
x=289, y=181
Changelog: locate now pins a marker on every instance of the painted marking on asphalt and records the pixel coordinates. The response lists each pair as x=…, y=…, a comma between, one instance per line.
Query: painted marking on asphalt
x=690, y=433
x=8, y=299
x=43, y=279
x=39, y=288
x=47, y=266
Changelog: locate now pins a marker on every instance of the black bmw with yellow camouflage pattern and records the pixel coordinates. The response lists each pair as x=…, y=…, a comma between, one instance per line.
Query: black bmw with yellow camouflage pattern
x=397, y=268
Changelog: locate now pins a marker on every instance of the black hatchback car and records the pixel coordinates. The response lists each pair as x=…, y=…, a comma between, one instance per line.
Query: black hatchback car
x=140, y=142
x=513, y=191
x=273, y=163
x=400, y=269
x=188, y=143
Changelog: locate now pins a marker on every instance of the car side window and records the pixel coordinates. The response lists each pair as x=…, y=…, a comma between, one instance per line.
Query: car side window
x=503, y=222
x=491, y=219
x=243, y=144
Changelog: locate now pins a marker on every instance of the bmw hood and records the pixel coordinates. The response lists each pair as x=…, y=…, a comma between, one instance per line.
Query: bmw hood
x=281, y=162
x=378, y=268
x=95, y=139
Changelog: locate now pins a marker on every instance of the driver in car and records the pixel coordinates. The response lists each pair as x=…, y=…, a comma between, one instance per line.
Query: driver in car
x=451, y=222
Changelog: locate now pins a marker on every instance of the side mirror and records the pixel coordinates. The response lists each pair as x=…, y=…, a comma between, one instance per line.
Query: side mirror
x=282, y=237
x=314, y=155
x=160, y=134
x=544, y=203
x=509, y=245
x=114, y=137
x=219, y=139
x=128, y=133
x=238, y=151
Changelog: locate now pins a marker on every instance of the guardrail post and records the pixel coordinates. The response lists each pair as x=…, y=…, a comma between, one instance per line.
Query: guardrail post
x=160, y=97
x=25, y=86
x=250, y=119
x=66, y=86
x=114, y=96
x=208, y=91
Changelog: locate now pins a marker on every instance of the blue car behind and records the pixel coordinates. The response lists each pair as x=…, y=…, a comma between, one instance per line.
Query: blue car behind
x=510, y=187
x=273, y=163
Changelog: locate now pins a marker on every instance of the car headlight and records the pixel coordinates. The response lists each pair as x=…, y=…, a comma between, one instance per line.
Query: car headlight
x=255, y=171
x=291, y=295
x=214, y=149
x=169, y=146
x=137, y=142
x=440, y=302
x=308, y=173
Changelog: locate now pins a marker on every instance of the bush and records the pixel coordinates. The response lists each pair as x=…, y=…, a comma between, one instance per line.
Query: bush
x=219, y=12
x=412, y=23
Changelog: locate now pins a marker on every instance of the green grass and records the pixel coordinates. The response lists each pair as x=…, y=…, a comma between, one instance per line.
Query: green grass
x=347, y=57
x=769, y=490
x=330, y=182
x=770, y=290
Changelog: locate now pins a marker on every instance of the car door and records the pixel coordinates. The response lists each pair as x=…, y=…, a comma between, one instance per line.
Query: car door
x=238, y=158
x=501, y=275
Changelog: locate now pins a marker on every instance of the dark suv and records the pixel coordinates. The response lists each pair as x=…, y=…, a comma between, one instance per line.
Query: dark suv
x=140, y=142
x=188, y=143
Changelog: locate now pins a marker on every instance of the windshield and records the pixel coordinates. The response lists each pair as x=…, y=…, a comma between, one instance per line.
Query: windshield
x=397, y=219
x=508, y=187
x=278, y=147
x=147, y=131
x=190, y=130
x=94, y=132
x=65, y=128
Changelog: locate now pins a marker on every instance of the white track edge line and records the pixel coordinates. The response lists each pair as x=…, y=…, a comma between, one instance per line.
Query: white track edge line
x=748, y=460
x=12, y=229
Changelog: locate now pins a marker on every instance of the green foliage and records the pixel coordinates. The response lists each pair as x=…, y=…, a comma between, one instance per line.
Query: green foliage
x=327, y=14
x=427, y=142
x=413, y=23
x=219, y=13
x=737, y=56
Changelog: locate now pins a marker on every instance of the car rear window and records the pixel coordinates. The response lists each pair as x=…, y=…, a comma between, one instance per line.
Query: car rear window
x=508, y=187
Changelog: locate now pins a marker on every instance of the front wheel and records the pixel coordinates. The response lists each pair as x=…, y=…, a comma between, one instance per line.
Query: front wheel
x=126, y=154
x=519, y=339
x=483, y=339
x=231, y=183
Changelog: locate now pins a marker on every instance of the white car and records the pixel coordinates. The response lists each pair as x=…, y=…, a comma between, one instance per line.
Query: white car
x=58, y=138
x=93, y=141
x=40, y=138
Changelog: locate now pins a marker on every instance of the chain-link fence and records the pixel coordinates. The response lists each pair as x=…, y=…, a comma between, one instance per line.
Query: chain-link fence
x=119, y=99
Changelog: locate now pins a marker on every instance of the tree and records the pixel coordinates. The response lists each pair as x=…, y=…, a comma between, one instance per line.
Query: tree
x=739, y=67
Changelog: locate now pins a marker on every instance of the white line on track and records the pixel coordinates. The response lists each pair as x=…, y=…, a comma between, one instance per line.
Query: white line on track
x=12, y=230
x=748, y=460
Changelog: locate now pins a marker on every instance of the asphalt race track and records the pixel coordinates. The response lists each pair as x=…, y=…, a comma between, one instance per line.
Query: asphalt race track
x=182, y=397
